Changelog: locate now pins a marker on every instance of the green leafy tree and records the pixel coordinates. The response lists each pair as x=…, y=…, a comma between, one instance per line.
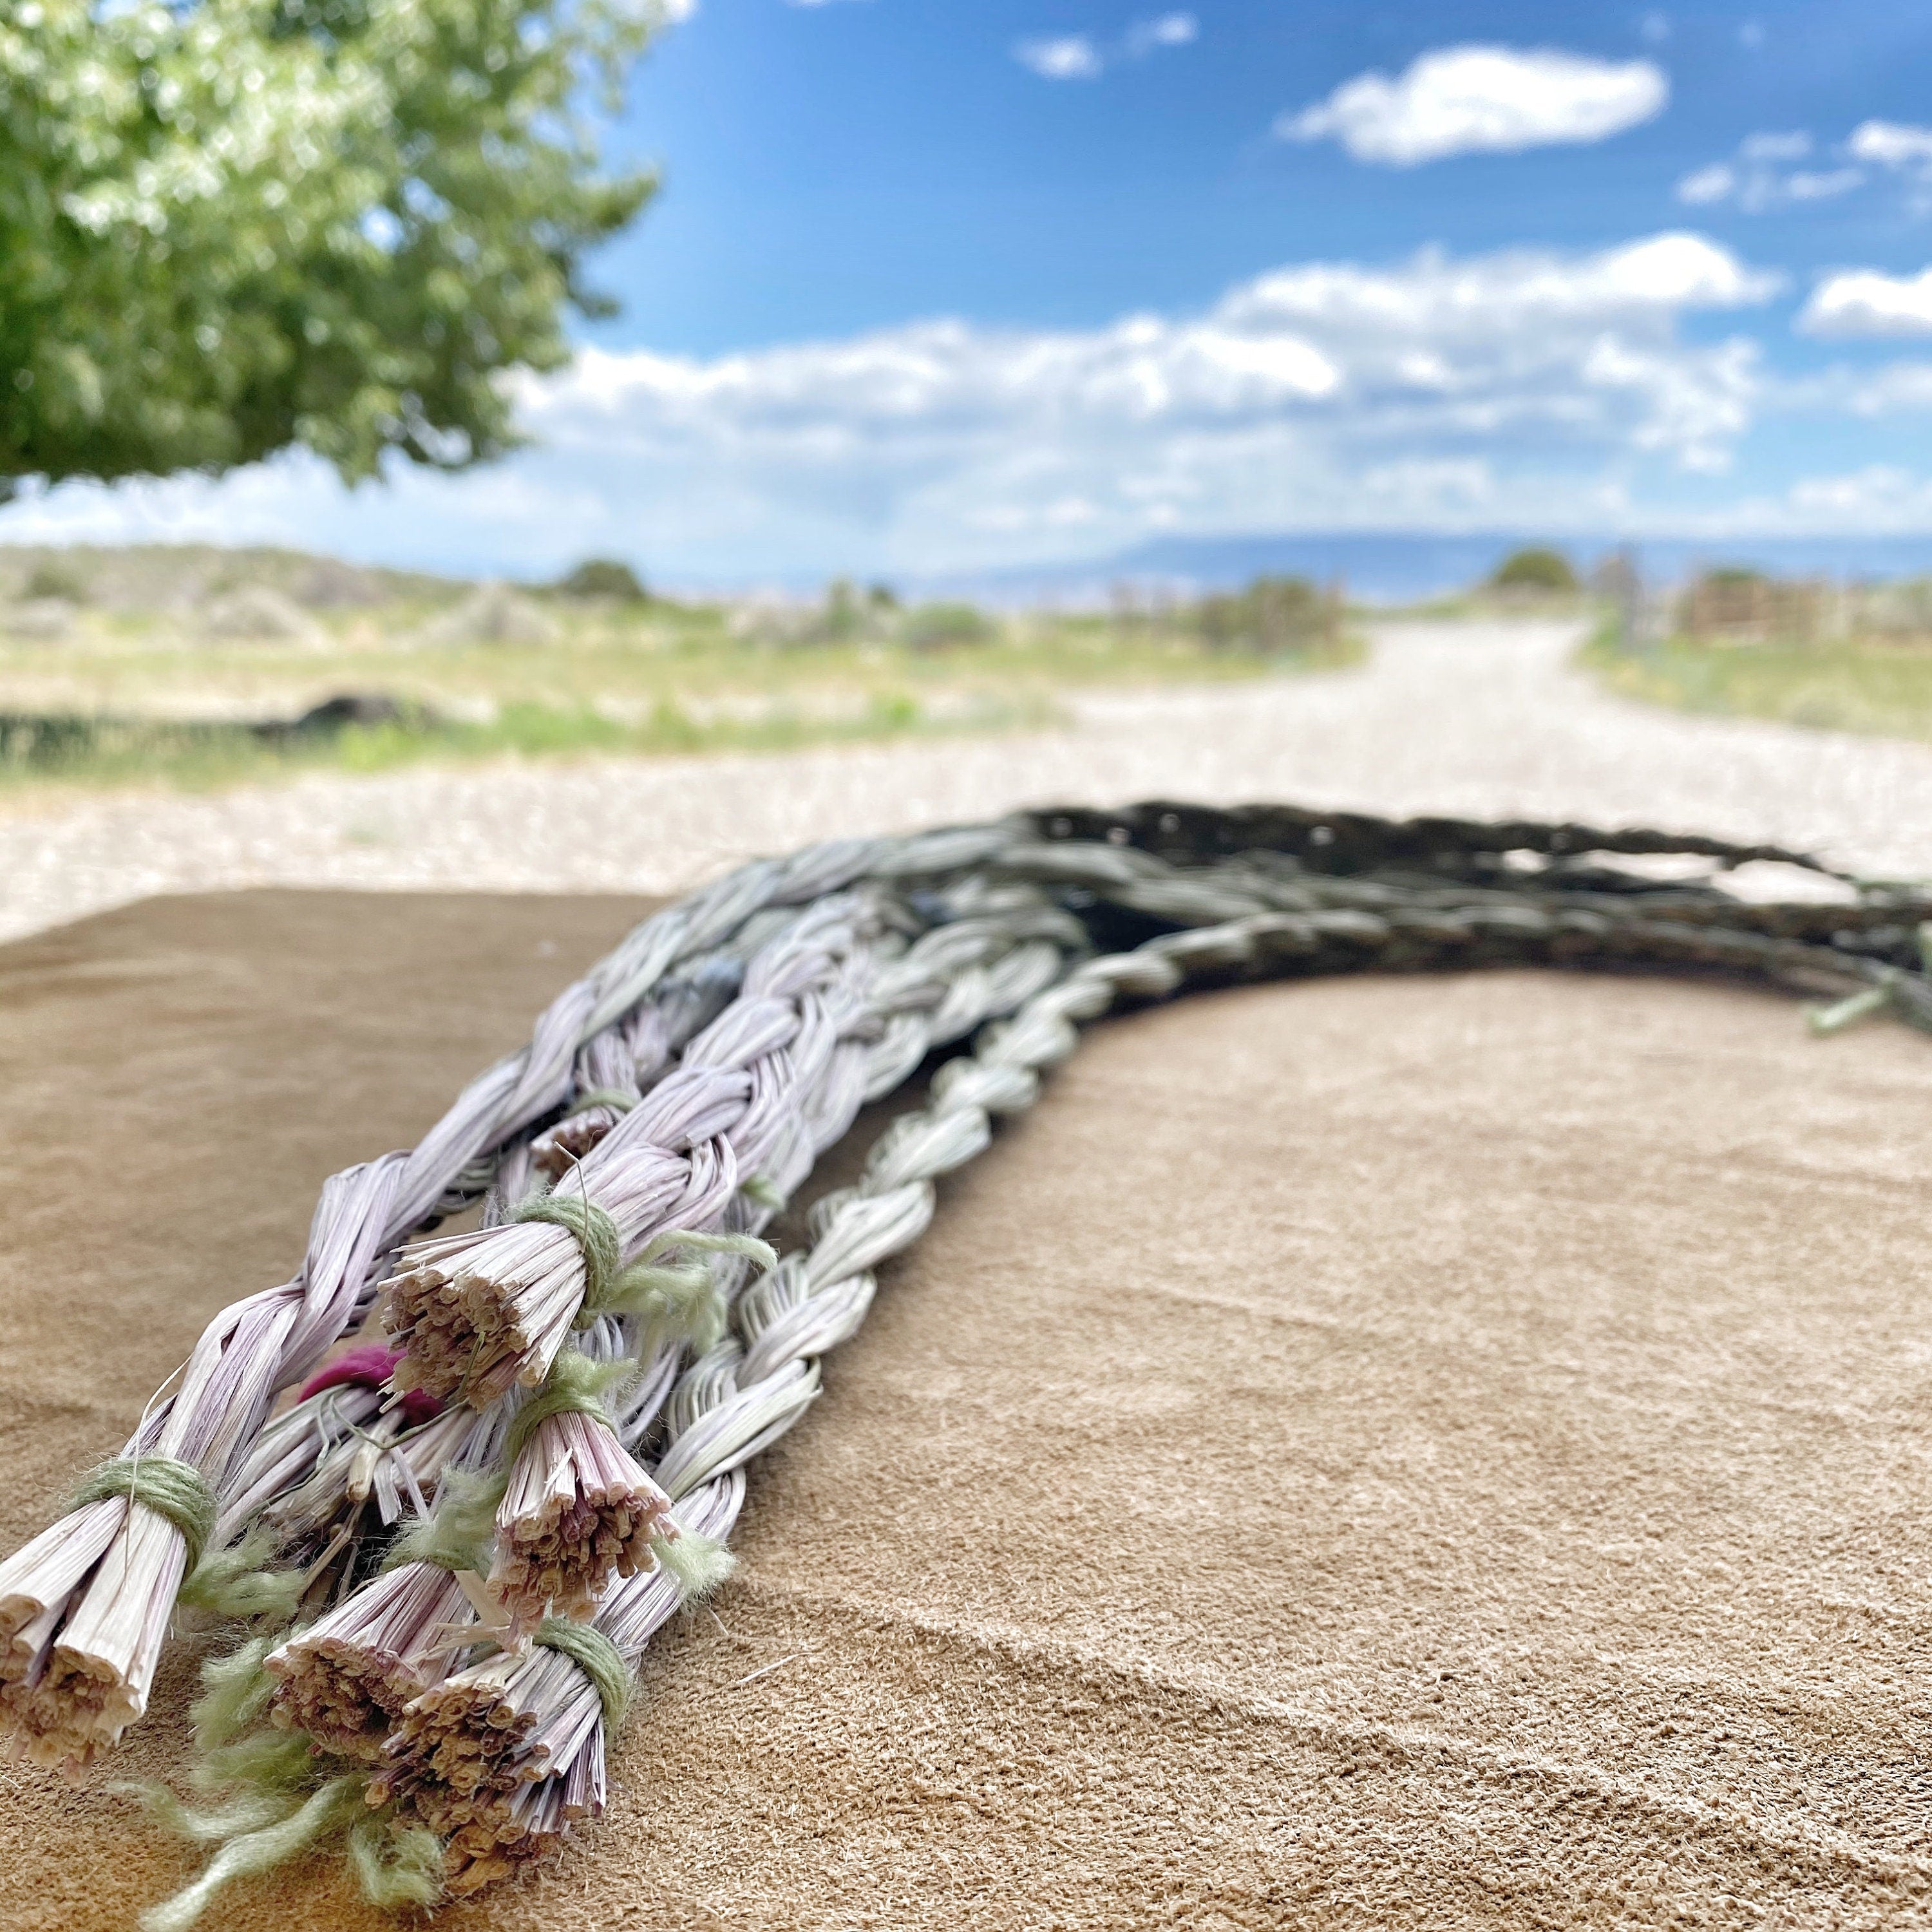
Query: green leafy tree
x=230, y=226
x=1549, y=571
x=601, y=577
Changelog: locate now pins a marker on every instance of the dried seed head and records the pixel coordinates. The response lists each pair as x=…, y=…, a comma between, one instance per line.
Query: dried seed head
x=578, y=1511
x=346, y=1679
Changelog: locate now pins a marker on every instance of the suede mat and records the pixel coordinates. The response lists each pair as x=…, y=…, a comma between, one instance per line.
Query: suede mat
x=1423, y=1452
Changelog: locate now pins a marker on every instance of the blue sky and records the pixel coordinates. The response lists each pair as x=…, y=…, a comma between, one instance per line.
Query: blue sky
x=938, y=287
x=829, y=168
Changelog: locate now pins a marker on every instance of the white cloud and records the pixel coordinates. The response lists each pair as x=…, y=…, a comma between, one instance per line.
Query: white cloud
x=1062, y=57
x=1866, y=302
x=1759, y=180
x=1481, y=100
x=1880, y=497
x=1436, y=390
x=1821, y=183
x=1718, y=182
x=1891, y=144
x=1899, y=149
x=1079, y=57
x=1166, y=30
x=1882, y=392
x=1639, y=282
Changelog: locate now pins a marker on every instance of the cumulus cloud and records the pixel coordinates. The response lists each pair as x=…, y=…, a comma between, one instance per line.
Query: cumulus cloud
x=1866, y=302
x=1481, y=100
x=1433, y=391
x=1080, y=57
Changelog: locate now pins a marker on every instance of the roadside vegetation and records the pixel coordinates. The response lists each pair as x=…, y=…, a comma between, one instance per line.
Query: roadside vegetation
x=1878, y=688
x=1738, y=643
x=197, y=668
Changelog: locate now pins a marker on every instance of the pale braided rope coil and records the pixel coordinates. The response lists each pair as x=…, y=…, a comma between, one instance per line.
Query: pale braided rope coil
x=262, y=1343
x=84, y=1608
x=719, y=1415
x=950, y=979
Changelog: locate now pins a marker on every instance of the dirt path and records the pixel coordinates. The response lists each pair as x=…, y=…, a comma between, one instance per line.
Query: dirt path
x=1478, y=718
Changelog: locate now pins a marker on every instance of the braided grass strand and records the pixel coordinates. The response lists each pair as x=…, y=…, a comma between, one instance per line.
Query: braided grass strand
x=667, y=1106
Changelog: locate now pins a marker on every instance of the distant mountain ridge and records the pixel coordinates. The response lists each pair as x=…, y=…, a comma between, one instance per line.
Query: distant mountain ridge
x=1403, y=567
x=159, y=576
x=1376, y=567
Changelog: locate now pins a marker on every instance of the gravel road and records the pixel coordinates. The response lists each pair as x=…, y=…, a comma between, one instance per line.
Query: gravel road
x=1477, y=718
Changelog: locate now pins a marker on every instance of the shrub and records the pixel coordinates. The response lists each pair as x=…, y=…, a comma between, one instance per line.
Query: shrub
x=1548, y=571
x=1273, y=613
x=841, y=618
x=53, y=579
x=603, y=577
x=932, y=627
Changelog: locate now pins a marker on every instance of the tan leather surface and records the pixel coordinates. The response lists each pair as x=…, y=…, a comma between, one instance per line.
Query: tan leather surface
x=1417, y=1452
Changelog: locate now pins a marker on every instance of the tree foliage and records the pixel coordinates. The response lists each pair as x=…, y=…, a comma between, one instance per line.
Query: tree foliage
x=603, y=577
x=1535, y=569
x=229, y=226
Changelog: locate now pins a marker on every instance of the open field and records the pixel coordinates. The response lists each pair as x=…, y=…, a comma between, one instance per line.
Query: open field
x=1880, y=687
x=121, y=697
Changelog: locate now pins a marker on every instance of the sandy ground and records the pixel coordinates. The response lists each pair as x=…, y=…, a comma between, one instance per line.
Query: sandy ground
x=1476, y=719
x=1443, y=1453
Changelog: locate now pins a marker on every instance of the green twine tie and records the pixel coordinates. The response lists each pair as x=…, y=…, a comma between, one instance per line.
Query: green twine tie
x=597, y=1656
x=171, y=1488
x=696, y=1563
x=575, y=1385
x=286, y=1815
x=238, y=1582
x=458, y=1533
x=680, y=1300
x=596, y=1235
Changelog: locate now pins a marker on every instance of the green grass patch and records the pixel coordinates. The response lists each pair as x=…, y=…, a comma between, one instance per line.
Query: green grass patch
x=197, y=757
x=128, y=701
x=1883, y=690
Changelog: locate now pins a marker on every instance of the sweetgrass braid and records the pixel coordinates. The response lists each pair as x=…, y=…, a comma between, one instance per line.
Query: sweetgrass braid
x=1216, y=894
x=740, y=1396
x=84, y=1608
